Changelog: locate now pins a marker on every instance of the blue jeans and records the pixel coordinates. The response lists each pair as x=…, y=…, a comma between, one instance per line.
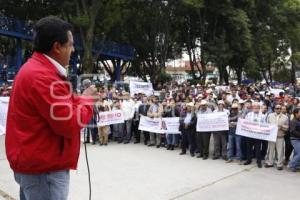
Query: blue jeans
x=236, y=140
x=294, y=163
x=171, y=139
x=46, y=186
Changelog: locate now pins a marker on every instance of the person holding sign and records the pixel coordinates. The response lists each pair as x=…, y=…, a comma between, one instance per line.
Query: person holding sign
x=118, y=129
x=220, y=137
x=155, y=111
x=203, y=138
x=103, y=131
x=128, y=108
x=188, y=130
x=143, y=109
x=233, y=138
x=255, y=116
x=295, y=140
x=281, y=121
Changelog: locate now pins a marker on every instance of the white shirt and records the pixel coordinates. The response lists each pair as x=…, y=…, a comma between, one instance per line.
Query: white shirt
x=256, y=117
x=128, y=108
x=188, y=118
x=58, y=66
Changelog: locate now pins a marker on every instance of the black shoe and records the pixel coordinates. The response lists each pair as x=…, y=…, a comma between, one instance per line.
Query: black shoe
x=168, y=147
x=259, y=165
x=215, y=157
x=126, y=142
x=204, y=157
x=100, y=144
x=150, y=145
x=145, y=142
x=182, y=153
x=157, y=146
x=85, y=142
x=120, y=141
x=172, y=147
x=199, y=156
x=136, y=142
x=192, y=154
x=279, y=168
x=247, y=163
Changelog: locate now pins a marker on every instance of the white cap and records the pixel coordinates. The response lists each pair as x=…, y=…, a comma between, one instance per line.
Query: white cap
x=209, y=91
x=190, y=104
x=199, y=96
x=221, y=102
x=235, y=105
x=203, y=102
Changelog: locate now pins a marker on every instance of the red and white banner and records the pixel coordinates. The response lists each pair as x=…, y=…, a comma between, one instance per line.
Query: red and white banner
x=169, y=125
x=110, y=117
x=262, y=131
x=212, y=122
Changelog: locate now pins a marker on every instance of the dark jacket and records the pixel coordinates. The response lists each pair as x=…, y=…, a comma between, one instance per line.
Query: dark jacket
x=295, y=129
x=142, y=111
x=191, y=127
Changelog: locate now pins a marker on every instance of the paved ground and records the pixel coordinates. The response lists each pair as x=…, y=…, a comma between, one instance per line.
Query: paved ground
x=136, y=172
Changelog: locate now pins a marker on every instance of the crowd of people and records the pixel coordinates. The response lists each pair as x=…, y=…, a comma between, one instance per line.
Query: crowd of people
x=5, y=90
x=255, y=102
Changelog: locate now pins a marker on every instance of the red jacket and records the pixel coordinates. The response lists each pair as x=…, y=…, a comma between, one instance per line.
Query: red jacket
x=37, y=142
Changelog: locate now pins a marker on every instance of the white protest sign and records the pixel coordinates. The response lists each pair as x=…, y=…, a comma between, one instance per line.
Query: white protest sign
x=262, y=131
x=276, y=91
x=110, y=117
x=170, y=125
x=3, y=114
x=140, y=87
x=212, y=122
x=150, y=124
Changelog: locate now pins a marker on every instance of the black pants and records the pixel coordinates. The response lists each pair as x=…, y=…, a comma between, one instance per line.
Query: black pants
x=288, y=147
x=203, y=139
x=250, y=142
x=91, y=131
x=244, y=147
x=188, y=141
x=146, y=136
x=264, y=149
x=136, y=132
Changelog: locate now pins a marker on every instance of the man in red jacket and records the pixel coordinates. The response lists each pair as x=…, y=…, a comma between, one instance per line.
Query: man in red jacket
x=44, y=117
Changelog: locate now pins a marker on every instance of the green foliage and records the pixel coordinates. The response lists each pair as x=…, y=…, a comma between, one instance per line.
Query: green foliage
x=163, y=77
x=251, y=37
x=81, y=21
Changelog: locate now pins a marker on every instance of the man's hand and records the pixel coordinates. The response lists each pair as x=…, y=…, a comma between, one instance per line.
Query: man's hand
x=90, y=91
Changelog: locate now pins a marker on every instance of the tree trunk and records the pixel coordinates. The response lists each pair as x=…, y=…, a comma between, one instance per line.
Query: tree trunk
x=239, y=75
x=293, y=73
x=226, y=76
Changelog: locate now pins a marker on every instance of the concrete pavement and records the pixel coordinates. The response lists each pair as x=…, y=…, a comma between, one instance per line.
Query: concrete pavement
x=137, y=172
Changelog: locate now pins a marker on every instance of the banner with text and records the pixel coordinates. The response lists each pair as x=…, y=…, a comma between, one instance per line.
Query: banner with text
x=110, y=117
x=212, y=122
x=3, y=113
x=169, y=125
x=140, y=87
x=262, y=131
